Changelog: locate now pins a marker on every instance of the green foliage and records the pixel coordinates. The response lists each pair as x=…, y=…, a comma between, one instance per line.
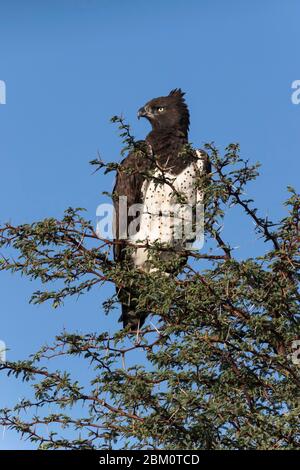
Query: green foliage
x=213, y=369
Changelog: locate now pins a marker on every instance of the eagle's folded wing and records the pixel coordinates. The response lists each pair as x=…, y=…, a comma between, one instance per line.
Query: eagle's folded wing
x=129, y=182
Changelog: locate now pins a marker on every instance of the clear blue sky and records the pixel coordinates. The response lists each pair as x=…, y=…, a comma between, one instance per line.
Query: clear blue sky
x=69, y=65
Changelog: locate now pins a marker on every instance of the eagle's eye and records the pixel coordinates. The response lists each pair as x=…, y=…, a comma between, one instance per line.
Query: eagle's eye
x=160, y=109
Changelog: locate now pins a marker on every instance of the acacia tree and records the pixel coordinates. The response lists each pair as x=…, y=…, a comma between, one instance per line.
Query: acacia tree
x=213, y=367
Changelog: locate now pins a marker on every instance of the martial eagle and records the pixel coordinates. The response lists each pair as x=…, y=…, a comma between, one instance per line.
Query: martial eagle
x=160, y=174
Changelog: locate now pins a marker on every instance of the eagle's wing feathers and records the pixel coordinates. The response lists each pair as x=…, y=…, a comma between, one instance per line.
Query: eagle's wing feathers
x=129, y=182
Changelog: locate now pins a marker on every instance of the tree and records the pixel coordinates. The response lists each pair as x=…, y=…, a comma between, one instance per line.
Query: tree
x=214, y=366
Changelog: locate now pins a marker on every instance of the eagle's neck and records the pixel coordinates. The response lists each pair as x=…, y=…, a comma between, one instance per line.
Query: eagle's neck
x=166, y=145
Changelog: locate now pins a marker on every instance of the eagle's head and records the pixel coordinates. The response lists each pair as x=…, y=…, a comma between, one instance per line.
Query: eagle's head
x=167, y=112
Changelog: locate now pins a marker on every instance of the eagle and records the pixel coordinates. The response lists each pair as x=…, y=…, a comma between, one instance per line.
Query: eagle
x=160, y=173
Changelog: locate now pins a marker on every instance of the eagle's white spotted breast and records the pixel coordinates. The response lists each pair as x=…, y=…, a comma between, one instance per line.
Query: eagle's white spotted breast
x=165, y=218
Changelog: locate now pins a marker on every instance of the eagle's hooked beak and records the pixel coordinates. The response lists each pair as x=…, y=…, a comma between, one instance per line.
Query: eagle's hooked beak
x=143, y=112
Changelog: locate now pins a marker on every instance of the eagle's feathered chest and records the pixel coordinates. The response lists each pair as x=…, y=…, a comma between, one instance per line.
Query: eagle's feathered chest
x=169, y=202
x=165, y=203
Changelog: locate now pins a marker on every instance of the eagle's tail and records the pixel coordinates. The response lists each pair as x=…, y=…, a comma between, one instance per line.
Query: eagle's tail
x=131, y=315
